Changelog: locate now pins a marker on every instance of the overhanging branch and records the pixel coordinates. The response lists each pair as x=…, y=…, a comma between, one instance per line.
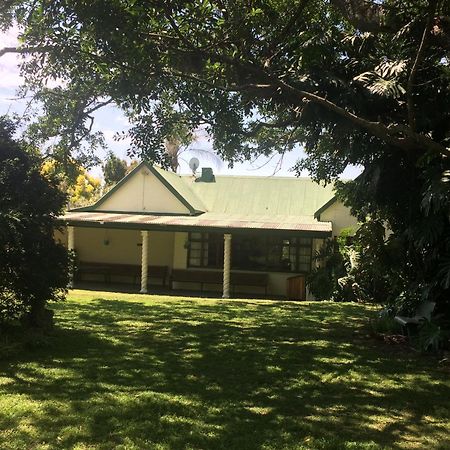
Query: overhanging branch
x=269, y=84
x=410, y=140
x=22, y=50
x=260, y=125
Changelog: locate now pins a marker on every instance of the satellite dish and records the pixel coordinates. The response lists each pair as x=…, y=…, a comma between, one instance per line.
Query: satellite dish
x=194, y=163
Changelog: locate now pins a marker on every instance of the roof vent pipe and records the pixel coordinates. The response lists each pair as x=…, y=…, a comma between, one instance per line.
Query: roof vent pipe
x=207, y=176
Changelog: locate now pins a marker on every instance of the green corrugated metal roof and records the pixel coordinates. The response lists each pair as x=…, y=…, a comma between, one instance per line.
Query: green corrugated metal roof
x=182, y=186
x=261, y=195
x=241, y=195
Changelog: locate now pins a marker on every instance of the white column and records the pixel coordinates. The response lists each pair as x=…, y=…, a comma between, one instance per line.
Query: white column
x=226, y=265
x=144, y=262
x=71, y=248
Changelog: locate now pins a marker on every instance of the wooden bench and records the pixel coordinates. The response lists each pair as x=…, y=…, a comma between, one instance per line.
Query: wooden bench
x=259, y=279
x=108, y=270
x=160, y=272
x=203, y=277
x=91, y=268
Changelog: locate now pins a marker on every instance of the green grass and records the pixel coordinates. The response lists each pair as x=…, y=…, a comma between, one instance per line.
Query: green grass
x=149, y=372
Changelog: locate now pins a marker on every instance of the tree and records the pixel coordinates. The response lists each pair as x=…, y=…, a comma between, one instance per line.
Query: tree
x=33, y=266
x=114, y=169
x=133, y=164
x=64, y=129
x=80, y=187
x=85, y=190
x=354, y=81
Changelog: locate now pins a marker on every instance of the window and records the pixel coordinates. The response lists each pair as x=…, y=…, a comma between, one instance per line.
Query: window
x=205, y=250
x=251, y=252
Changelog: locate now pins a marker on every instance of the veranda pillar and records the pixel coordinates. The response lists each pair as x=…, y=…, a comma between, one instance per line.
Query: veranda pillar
x=144, y=262
x=71, y=248
x=226, y=265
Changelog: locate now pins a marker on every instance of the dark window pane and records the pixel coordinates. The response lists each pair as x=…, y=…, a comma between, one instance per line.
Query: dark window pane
x=250, y=252
x=304, y=268
x=304, y=251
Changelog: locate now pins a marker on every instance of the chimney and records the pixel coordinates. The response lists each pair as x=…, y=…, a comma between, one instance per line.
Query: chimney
x=207, y=176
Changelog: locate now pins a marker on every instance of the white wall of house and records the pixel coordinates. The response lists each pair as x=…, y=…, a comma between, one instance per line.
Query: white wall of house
x=161, y=248
x=108, y=245
x=113, y=246
x=122, y=246
x=340, y=216
x=143, y=192
x=278, y=283
x=180, y=250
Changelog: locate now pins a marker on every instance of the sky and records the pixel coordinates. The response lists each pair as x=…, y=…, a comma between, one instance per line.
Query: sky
x=111, y=120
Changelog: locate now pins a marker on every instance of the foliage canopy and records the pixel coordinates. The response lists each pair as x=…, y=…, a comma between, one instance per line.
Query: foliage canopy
x=33, y=267
x=114, y=169
x=81, y=187
x=343, y=77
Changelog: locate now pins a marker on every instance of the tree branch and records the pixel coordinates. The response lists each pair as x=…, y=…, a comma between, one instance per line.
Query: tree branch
x=259, y=125
x=22, y=50
x=417, y=61
x=410, y=140
x=173, y=24
x=295, y=15
x=268, y=84
x=98, y=106
x=364, y=15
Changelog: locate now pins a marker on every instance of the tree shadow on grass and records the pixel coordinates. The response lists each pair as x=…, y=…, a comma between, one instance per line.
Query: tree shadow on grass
x=233, y=374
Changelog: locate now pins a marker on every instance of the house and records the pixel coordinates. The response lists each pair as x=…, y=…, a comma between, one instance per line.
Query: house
x=233, y=234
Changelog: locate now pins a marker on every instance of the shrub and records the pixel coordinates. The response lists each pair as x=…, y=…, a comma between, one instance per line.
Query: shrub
x=33, y=267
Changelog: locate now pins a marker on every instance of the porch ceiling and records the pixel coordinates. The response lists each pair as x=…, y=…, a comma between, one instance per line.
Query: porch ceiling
x=203, y=222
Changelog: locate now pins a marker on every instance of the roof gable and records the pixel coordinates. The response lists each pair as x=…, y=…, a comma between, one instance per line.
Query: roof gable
x=325, y=206
x=147, y=190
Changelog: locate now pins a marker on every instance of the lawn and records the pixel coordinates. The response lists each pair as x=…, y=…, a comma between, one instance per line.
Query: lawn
x=149, y=372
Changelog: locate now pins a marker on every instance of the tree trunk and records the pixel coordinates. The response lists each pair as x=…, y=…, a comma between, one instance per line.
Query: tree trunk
x=39, y=316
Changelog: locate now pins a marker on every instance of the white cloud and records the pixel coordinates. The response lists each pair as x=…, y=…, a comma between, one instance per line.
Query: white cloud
x=201, y=136
x=10, y=36
x=10, y=77
x=9, y=71
x=109, y=135
x=118, y=147
x=121, y=119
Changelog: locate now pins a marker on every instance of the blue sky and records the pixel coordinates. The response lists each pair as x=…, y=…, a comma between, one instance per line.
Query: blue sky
x=110, y=120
